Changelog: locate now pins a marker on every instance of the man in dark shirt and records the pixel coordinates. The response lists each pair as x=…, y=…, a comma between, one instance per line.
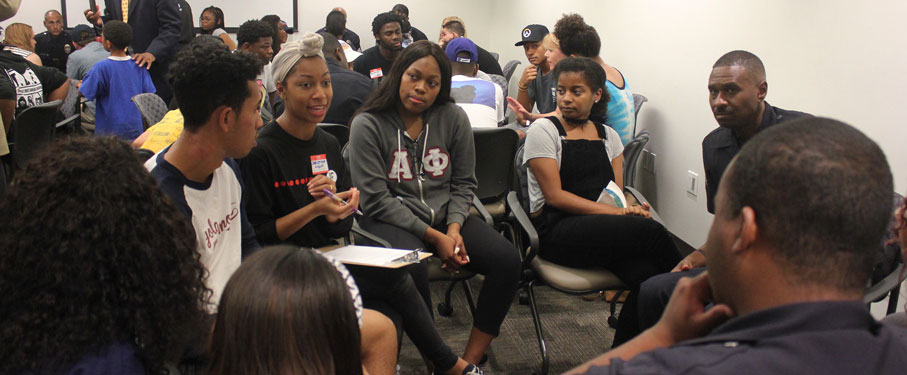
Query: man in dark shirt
x=402, y=11
x=787, y=276
x=350, y=89
x=53, y=45
x=188, y=30
x=455, y=29
x=737, y=90
x=344, y=34
x=376, y=62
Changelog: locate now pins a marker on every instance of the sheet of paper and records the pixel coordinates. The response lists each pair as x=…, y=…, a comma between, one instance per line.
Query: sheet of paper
x=372, y=256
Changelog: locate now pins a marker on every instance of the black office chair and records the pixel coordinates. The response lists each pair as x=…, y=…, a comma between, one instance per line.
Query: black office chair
x=889, y=270
x=632, y=152
x=152, y=108
x=495, y=148
x=568, y=280
x=31, y=129
x=71, y=109
x=339, y=131
x=638, y=100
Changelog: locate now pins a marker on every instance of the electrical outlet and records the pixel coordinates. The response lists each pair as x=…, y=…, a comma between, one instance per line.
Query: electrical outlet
x=648, y=160
x=692, y=178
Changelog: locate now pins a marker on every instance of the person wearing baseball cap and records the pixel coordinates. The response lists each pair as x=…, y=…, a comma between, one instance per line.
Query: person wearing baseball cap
x=483, y=101
x=535, y=83
x=88, y=52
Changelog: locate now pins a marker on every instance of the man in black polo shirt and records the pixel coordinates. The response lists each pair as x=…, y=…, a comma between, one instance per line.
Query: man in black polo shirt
x=454, y=28
x=786, y=273
x=402, y=11
x=53, y=45
x=350, y=89
x=376, y=62
x=737, y=90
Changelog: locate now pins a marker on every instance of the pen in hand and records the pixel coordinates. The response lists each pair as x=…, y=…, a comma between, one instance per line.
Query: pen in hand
x=339, y=200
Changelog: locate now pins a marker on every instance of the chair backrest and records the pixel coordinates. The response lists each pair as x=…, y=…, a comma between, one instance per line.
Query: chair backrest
x=71, y=103
x=638, y=99
x=339, y=131
x=632, y=151
x=152, y=108
x=31, y=130
x=509, y=68
x=500, y=81
x=496, y=55
x=495, y=148
x=521, y=173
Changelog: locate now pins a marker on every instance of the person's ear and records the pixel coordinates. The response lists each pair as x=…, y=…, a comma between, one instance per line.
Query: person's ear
x=245, y=46
x=475, y=70
x=598, y=95
x=747, y=231
x=763, y=90
x=281, y=90
x=225, y=117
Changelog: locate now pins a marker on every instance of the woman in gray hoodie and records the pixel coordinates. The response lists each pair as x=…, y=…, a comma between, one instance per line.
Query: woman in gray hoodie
x=413, y=159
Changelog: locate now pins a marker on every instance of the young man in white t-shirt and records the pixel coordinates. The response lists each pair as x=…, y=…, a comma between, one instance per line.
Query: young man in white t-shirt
x=483, y=101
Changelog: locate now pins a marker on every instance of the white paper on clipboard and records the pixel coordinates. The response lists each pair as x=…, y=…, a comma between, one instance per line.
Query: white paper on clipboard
x=376, y=256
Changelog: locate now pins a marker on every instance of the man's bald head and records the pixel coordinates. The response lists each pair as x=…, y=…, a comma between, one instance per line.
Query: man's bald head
x=53, y=22
x=341, y=10
x=751, y=62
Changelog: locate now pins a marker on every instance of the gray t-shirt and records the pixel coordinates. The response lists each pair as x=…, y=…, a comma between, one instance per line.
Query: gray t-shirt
x=537, y=92
x=543, y=141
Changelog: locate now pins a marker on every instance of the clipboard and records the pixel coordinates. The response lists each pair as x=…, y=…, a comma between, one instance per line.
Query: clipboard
x=373, y=256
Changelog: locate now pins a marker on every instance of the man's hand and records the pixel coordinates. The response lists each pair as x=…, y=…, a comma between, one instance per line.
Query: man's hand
x=144, y=59
x=693, y=260
x=528, y=75
x=93, y=17
x=685, y=316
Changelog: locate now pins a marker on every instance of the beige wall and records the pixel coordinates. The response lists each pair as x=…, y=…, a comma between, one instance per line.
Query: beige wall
x=841, y=59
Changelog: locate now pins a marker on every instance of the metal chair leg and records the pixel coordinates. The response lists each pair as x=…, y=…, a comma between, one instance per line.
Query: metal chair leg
x=538, y=328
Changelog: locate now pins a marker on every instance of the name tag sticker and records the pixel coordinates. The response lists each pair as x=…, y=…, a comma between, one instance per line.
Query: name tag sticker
x=375, y=73
x=319, y=164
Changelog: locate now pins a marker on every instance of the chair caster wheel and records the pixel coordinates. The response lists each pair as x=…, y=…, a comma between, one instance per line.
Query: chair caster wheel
x=445, y=309
x=524, y=297
x=612, y=321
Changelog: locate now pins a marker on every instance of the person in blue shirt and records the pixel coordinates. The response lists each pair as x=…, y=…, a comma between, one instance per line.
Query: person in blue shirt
x=113, y=82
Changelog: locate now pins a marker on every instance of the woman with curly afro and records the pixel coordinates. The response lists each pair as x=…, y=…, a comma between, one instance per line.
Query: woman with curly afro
x=99, y=271
x=577, y=39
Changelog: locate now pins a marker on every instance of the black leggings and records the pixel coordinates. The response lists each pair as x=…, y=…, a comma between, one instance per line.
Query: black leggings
x=632, y=247
x=489, y=254
x=392, y=292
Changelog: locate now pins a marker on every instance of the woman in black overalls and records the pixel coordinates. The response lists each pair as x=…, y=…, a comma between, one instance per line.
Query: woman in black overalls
x=576, y=231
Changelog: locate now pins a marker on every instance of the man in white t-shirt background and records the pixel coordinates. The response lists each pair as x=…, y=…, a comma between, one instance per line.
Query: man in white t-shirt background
x=482, y=100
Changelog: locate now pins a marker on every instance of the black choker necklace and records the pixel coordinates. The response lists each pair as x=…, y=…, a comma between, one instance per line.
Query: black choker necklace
x=576, y=121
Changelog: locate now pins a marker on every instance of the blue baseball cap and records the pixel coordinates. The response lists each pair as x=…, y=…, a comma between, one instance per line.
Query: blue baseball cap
x=457, y=45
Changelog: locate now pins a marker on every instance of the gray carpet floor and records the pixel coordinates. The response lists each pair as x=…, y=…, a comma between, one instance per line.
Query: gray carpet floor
x=575, y=331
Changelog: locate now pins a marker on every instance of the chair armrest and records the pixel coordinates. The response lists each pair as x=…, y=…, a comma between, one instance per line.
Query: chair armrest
x=356, y=230
x=642, y=199
x=880, y=289
x=482, y=210
x=514, y=204
x=67, y=121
